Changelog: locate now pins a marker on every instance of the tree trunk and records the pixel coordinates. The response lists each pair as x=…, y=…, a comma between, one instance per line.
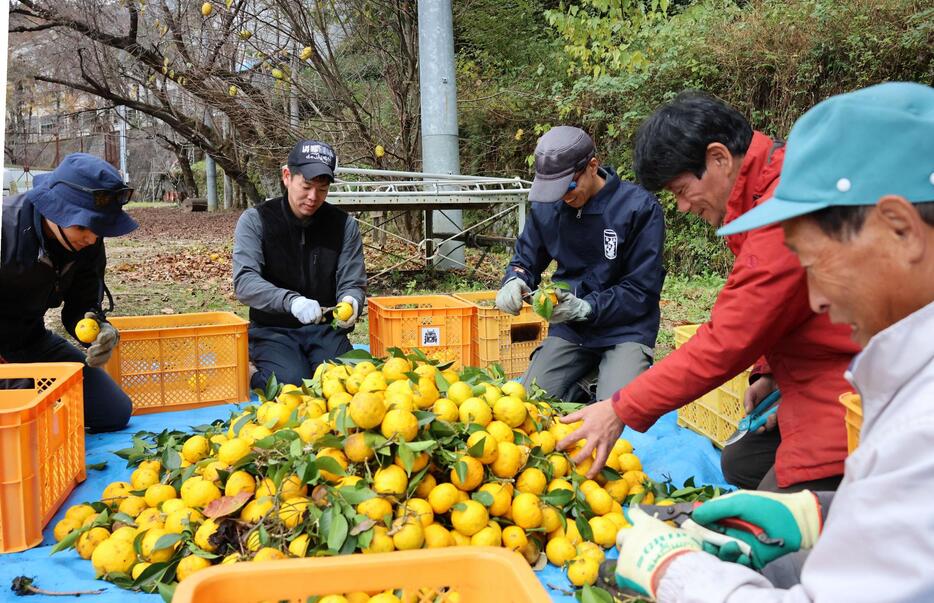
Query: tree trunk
x=189, y=186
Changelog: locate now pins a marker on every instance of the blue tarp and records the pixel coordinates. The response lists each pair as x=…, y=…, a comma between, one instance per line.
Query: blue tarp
x=665, y=450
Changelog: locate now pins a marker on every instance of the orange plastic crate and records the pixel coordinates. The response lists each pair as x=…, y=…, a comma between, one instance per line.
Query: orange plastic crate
x=717, y=413
x=499, y=337
x=180, y=361
x=41, y=447
x=853, y=418
x=438, y=325
x=478, y=574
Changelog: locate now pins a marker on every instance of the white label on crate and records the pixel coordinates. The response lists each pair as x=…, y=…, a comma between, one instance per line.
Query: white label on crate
x=431, y=336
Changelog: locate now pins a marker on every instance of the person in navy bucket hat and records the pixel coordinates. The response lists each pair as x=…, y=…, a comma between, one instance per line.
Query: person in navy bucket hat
x=52, y=249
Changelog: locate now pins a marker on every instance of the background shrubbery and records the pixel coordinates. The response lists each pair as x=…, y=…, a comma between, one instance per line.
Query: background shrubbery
x=526, y=65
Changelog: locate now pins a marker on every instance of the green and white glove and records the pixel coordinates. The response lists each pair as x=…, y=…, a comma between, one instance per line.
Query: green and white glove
x=792, y=521
x=569, y=308
x=645, y=547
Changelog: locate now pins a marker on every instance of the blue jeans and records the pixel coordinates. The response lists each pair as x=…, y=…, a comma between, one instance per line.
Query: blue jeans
x=292, y=354
x=106, y=406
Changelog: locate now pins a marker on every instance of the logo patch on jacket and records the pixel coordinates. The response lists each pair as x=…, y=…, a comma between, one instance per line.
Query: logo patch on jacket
x=609, y=243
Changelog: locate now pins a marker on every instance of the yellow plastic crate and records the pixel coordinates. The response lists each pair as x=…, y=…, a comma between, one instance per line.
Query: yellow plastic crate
x=41, y=447
x=476, y=574
x=717, y=413
x=438, y=325
x=501, y=338
x=853, y=418
x=181, y=361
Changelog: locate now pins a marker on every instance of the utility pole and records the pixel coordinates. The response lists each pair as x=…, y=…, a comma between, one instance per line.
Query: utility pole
x=210, y=172
x=121, y=117
x=438, y=92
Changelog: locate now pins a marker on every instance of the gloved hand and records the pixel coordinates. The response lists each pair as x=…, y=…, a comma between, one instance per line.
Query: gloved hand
x=794, y=520
x=643, y=549
x=307, y=311
x=346, y=324
x=98, y=353
x=757, y=392
x=509, y=297
x=569, y=308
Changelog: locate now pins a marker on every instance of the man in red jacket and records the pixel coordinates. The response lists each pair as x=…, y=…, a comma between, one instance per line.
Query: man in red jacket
x=717, y=167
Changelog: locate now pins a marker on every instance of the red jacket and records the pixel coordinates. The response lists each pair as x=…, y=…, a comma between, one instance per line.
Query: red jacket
x=762, y=310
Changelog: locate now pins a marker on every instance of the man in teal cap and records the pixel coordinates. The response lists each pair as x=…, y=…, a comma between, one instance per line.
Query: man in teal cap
x=856, y=203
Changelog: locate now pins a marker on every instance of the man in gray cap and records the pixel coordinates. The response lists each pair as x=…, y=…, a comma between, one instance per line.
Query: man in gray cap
x=607, y=238
x=53, y=254
x=294, y=258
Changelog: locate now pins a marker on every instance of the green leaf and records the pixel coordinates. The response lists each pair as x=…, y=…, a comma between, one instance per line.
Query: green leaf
x=167, y=591
x=171, y=459
x=476, y=450
x=338, y=532
x=420, y=445
x=326, y=463
x=354, y=495
x=583, y=527
x=355, y=357
x=296, y=449
x=459, y=507
x=365, y=538
x=407, y=456
x=558, y=498
x=125, y=519
x=166, y=541
x=272, y=387
x=593, y=594
x=441, y=383
x=484, y=498
x=460, y=467
x=98, y=466
x=69, y=541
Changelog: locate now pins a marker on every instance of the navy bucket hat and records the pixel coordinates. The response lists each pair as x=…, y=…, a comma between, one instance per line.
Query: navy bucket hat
x=84, y=191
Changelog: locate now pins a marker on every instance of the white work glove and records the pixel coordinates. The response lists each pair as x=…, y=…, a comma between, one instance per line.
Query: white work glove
x=350, y=322
x=307, y=311
x=643, y=549
x=569, y=308
x=509, y=297
x=98, y=353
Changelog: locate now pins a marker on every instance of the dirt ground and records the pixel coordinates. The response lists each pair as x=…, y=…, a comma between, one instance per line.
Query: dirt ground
x=179, y=261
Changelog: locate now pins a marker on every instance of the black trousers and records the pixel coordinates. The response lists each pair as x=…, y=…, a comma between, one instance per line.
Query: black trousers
x=106, y=406
x=750, y=464
x=292, y=354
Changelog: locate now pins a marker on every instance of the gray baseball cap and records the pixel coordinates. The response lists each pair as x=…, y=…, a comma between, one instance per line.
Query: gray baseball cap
x=561, y=152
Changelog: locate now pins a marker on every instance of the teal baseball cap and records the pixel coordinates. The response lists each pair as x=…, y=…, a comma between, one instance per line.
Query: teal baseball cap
x=853, y=149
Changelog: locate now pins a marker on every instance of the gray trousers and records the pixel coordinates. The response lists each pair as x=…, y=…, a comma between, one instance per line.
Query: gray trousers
x=559, y=366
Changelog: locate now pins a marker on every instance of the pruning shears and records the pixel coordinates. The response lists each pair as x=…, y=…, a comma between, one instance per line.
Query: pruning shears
x=757, y=418
x=680, y=514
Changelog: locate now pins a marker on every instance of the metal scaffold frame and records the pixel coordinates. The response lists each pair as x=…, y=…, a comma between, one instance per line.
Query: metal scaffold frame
x=360, y=190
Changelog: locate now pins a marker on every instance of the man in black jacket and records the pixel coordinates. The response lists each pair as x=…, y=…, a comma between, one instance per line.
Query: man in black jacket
x=294, y=258
x=53, y=253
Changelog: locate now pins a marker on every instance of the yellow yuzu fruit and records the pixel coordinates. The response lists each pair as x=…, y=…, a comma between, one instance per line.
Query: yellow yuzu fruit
x=510, y=410
x=268, y=554
x=629, y=462
x=437, y=536
x=375, y=508
x=232, y=451
x=367, y=410
x=583, y=571
x=532, y=480
x=501, y=431
x=157, y=494
x=400, y=422
x=407, y=534
x=527, y=510
x=203, y=535
x=239, y=481
x=189, y=565
x=473, y=473
x=442, y=497
x=196, y=448
x=356, y=448
x=90, y=540
x=487, y=450
x=183, y=519
x=502, y=497
x=141, y=479
x=508, y=460
x=149, y=550
x=559, y=551
x=544, y=440
x=381, y=541
x=64, y=527
x=514, y=538
x=113, y=556
x=446, y=410
x=475, y=410
x=133, y=505
x=390, y=480
x=469, y=517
